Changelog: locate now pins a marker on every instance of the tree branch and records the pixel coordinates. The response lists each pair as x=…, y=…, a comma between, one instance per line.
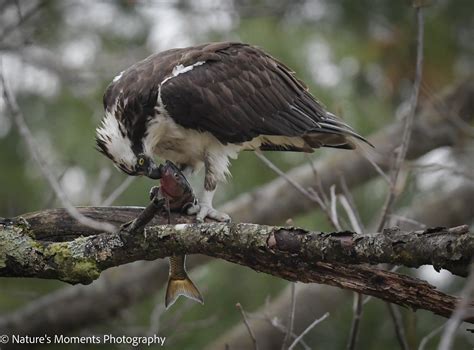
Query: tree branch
x=291, y=253
x=74, y=307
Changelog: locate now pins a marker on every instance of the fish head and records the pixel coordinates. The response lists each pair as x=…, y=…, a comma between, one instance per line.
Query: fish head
x=173, y=183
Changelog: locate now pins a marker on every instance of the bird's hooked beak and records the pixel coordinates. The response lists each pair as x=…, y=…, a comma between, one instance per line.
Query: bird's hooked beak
x=154, y=171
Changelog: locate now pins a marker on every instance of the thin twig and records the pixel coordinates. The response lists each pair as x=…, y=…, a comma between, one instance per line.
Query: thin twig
x=309, y=328
x=379, y=170
x=358, y=307
x=118, y=191
x=51, y=196
x=334, y=216
x=247, y=324
x=319, y=184
x=402, y=218
x=407, y=131
x=430, y=336
x=275, y=322
x=103, y=178
x=398, y=323
x=311, y=194
x=291, y=317
x=459, y=313
x=292, y=182
x=350, y=213
x=352, y=206
x=21, y=20
x=27, y=136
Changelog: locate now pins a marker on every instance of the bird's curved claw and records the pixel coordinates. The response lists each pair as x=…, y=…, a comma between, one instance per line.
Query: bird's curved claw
x=153, y=192
x=203, y=211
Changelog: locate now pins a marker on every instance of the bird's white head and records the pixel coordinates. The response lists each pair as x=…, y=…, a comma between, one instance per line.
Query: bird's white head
x=114, y=140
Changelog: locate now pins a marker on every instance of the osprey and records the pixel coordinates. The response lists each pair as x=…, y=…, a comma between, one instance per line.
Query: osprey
x=199, y=106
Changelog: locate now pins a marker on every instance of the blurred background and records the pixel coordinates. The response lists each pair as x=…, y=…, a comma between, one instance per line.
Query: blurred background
x=357, y=57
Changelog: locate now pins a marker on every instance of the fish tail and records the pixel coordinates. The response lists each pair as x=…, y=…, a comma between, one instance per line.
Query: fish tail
x=185, y=287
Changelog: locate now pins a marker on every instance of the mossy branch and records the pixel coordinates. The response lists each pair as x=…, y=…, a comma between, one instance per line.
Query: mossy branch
x=26, y=250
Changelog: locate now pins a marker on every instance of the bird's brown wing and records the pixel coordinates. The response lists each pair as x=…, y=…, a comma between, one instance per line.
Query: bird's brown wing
x=240, y=93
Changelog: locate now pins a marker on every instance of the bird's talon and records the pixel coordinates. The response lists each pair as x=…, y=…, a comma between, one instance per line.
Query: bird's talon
x=207, y=211
x=193, y=209
x=153, y=192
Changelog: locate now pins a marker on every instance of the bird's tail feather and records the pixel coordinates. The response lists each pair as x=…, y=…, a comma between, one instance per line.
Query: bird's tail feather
x=185, y=287
x=333, y=132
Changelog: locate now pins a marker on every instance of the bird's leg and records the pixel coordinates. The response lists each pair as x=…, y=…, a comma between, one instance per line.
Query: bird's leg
x=205, y=208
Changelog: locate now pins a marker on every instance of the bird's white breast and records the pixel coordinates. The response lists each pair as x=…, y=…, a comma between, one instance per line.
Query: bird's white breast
x=168, y=140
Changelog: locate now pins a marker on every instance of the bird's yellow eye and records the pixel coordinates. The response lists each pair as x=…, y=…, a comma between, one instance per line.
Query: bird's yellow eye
x=141, y=161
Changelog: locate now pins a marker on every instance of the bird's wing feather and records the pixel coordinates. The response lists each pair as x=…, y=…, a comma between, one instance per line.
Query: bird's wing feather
x=241, y=93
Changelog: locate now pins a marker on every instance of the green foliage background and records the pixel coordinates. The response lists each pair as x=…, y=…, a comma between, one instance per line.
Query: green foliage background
x=365, y=49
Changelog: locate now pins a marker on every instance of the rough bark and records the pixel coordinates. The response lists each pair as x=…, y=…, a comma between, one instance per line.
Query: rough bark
x=28, y=251
x=435, y=126
x=291, y=253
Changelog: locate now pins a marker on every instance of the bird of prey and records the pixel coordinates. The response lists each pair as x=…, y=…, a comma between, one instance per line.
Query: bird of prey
x=201, y=105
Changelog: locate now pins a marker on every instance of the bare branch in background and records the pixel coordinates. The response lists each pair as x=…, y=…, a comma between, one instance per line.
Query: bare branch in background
x=312, y=299
x=398, y=324
x=307, y=330
x=28, y=138
x=333, y=212
x=401, y=219
x=97, y=192
x=461, y=311
x=118, y=191
x=313, y=197
x=356, y=318
x=349, y=206
x=430, y=336
x=409, y=121
x=244, y=316
x=21, y=19
x=291, y=318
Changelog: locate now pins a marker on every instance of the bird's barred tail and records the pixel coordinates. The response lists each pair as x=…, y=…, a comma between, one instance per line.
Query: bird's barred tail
x=185, y=287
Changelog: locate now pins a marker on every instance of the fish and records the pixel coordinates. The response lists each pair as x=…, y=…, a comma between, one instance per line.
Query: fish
x=178, y=193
